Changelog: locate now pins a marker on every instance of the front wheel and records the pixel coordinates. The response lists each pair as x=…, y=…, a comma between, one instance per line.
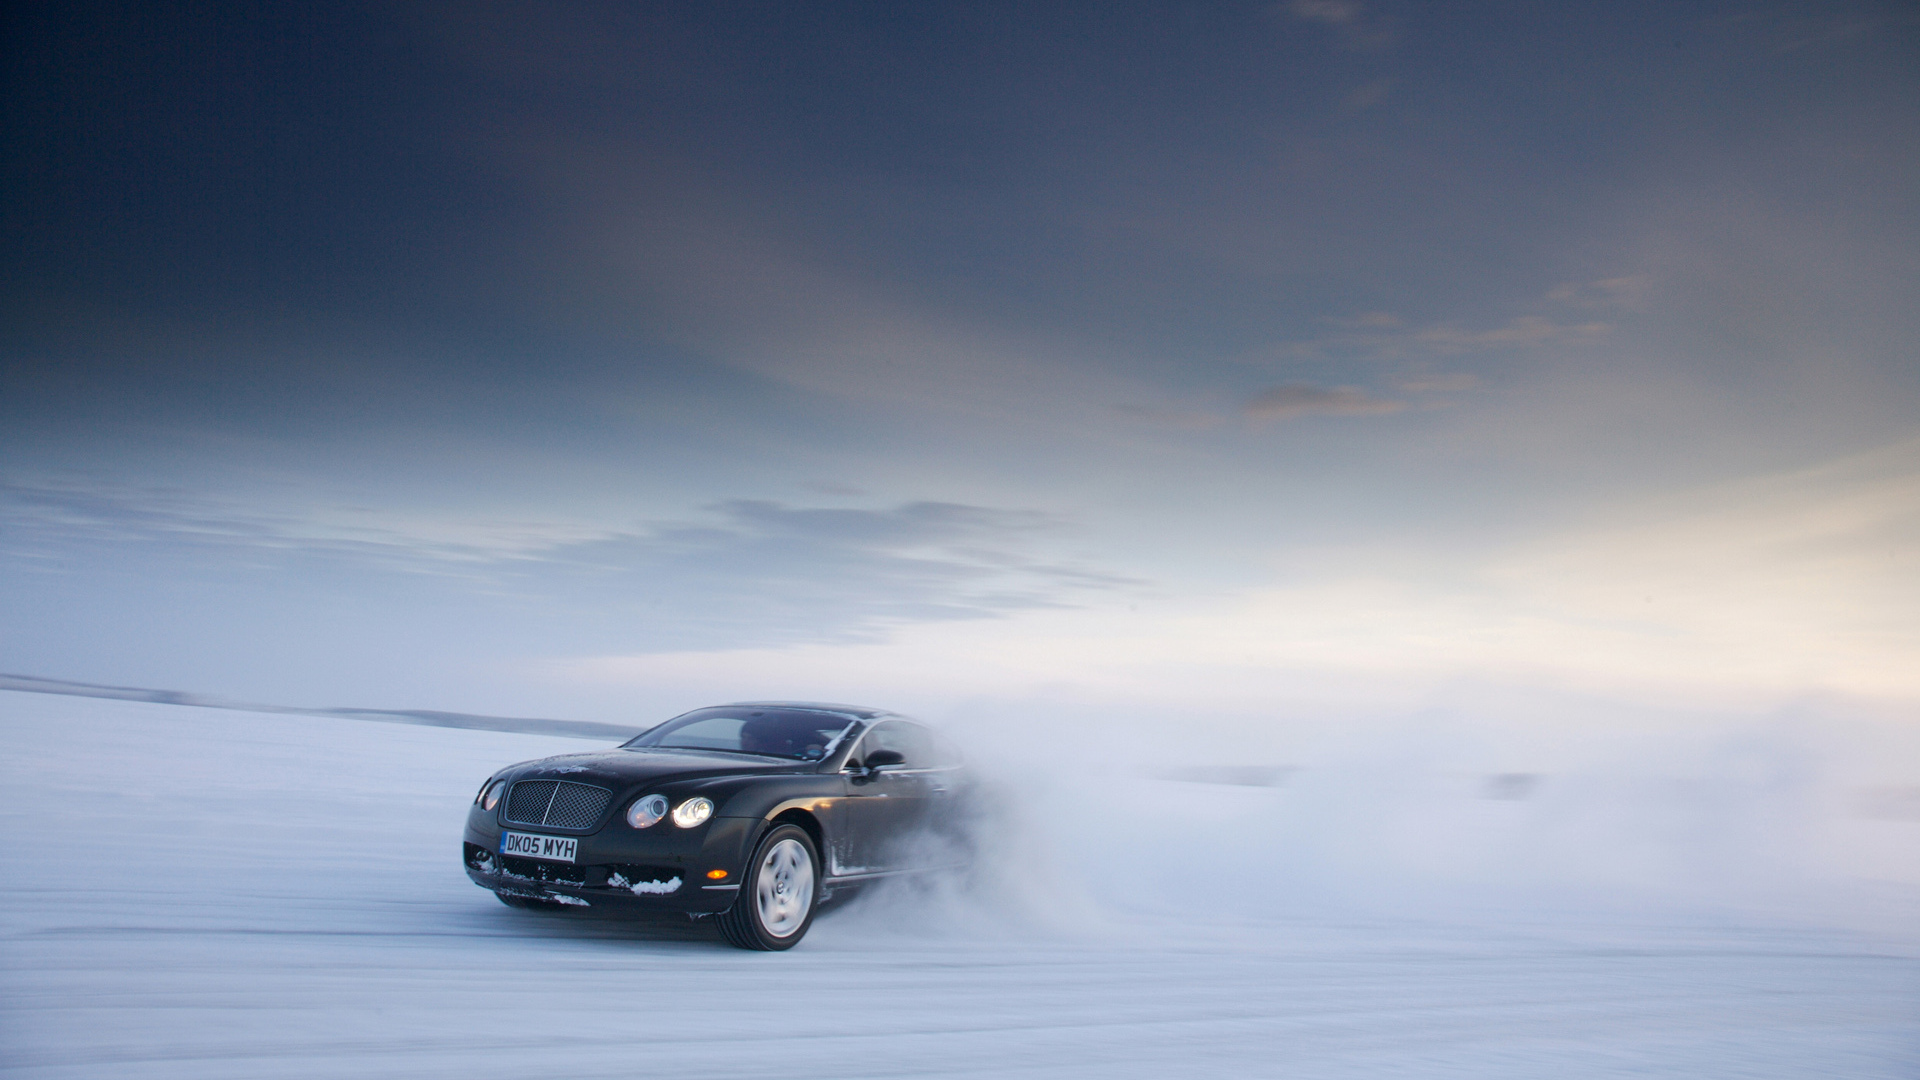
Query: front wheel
x=778, y=897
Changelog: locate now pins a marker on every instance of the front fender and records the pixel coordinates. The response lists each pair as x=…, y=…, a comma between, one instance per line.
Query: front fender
x=765, y=798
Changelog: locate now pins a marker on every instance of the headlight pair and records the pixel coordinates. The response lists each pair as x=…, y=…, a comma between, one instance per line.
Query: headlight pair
x=647, y=811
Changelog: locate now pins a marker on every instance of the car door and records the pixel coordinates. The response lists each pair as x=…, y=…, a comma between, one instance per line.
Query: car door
x=889, y=805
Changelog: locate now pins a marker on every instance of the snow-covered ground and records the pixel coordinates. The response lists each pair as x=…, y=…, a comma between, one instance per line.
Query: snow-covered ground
x=200, y=893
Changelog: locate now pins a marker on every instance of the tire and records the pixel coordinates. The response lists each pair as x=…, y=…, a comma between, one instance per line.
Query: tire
x=780, y=895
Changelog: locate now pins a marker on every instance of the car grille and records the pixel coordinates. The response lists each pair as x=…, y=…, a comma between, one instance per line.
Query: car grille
x=557, y=804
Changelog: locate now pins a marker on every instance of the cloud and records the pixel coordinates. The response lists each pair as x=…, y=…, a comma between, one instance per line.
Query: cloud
x=1297, y=399
x=1783, y=30
x=1374, y=320
x=1289, y=401
x=745, y=572
x=1331, y=12
x=1348, y=18
x=1792, y=581
x=833, y=487
x=1367, y=95
x=910, y=524
x=51, y=515
x=1626, y=291
x=1379, y=335
x=1526, y=331
x=1787, y=583
x=1437, y=382
x=764, y=571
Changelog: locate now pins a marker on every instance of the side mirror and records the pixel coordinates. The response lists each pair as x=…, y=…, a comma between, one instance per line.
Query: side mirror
x=885, y=757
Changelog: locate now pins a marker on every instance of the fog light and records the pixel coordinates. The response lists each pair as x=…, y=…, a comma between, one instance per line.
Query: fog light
x=716, y=874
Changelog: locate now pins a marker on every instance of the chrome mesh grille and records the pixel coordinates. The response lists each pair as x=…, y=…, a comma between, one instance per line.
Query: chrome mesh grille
x=528, y=801
x=577, y=806
x=558, y=804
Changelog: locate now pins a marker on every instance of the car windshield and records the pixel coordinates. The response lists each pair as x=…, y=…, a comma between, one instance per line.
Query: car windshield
x=800, y=734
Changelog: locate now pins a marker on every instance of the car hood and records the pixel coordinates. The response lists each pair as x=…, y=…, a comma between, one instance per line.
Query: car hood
x=618, y=768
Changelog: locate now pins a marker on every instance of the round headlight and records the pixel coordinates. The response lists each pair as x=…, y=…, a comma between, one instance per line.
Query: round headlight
x=647, y=812
x=492, y=797
x=692, y=812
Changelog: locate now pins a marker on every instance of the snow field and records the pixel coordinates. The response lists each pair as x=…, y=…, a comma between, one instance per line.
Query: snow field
x=208, y=894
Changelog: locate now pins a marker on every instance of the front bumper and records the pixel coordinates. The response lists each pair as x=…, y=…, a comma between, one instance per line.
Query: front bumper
x=658, y=869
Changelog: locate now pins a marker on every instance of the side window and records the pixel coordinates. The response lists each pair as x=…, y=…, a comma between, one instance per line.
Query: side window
x=945, y=754
x=914, y=743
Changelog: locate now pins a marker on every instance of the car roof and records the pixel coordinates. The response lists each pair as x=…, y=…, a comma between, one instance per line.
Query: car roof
x=863, y=712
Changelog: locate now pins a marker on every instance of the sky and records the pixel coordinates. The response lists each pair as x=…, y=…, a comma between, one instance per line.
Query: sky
x=601, y=360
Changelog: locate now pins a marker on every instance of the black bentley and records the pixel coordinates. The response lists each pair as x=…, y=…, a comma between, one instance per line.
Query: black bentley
x=753, y=813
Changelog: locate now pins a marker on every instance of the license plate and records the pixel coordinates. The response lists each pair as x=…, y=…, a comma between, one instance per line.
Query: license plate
x=529, y=846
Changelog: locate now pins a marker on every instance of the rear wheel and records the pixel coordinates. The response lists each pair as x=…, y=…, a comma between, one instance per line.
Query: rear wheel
x=780, y=894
